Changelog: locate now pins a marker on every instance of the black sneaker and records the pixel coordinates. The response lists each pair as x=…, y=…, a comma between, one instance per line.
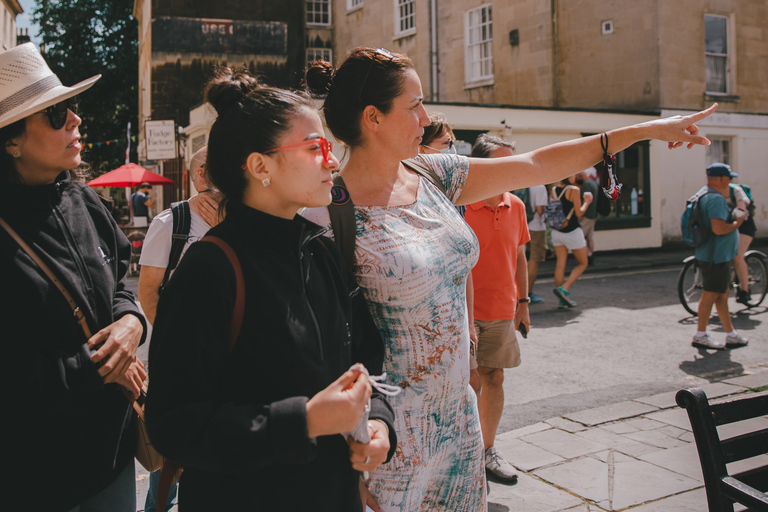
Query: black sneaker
x=743, y=297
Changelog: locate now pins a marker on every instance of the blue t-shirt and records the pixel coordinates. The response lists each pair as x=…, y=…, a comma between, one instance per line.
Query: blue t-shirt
x=714, y=206
x=139, y=207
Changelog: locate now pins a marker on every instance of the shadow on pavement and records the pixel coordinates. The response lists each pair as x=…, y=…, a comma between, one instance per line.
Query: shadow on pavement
x=712, y=366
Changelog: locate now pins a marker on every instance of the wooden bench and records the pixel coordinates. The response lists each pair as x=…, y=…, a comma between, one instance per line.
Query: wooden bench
x=723, y=490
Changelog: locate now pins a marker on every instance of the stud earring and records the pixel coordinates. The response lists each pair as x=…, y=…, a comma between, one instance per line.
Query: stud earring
x=266, y=182
x=16, y=154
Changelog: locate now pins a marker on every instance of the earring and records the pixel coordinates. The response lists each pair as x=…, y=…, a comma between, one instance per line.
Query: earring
x=16, y=154
x=265, y=182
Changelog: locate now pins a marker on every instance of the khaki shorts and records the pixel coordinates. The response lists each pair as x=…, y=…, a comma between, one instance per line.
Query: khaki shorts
x=538, y=246
x=588, y=226
x=497, y=346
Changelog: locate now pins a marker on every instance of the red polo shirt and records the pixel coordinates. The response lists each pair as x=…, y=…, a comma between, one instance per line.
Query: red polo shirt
x=501, y=231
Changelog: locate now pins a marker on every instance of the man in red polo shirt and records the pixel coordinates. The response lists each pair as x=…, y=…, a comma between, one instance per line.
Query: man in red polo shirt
x=501, y=299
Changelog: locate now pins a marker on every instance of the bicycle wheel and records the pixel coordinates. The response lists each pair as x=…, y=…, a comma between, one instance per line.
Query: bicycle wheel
x=758, y=277
x=690, y=287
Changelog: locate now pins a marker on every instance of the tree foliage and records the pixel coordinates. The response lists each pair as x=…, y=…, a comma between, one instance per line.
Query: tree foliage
x=82, y=38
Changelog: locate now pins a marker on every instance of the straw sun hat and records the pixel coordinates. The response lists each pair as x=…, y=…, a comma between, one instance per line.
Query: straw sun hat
x=27, y=85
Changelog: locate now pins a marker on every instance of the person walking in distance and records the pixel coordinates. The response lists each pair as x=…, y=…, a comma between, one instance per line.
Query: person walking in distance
x=537, y=195
x=142, y=201
x=501, y=299
x=714, y=257
x=569, y=238
x=589, y=219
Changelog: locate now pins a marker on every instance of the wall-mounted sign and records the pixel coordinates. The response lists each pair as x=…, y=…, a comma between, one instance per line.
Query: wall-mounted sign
x=161, y=140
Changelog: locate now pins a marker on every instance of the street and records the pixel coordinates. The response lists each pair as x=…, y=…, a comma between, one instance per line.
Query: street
x=628, y=337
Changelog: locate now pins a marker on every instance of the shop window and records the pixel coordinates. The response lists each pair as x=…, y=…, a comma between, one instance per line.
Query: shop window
x=633, y=209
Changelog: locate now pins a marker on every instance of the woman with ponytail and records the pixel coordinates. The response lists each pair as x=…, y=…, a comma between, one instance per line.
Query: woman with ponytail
x=413, y=253
x=260, y=427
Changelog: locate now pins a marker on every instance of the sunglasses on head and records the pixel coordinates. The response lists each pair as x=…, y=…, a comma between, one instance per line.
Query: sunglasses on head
x=325, y=146
x=377, y=52
x=58, y=113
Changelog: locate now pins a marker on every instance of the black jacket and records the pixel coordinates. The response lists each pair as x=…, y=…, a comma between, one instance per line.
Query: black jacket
x=69, y=434
x=237, y=422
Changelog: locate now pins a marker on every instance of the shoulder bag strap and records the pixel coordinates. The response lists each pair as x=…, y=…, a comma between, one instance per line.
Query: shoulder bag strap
x=239, y=310
x=78, y=313
x=171, y=468
x=423, y=170
x=182, y=222
x=342, y=214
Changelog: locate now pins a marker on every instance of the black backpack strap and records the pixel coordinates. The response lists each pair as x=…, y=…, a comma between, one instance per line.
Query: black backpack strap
x=342, y=214
x=423, y=170
x=182, y=222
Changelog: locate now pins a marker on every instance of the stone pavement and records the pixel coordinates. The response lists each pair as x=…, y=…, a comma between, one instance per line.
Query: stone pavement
x=637, y=455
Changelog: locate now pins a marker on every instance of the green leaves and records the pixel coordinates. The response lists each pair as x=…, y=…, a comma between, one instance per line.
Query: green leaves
x=82, y=38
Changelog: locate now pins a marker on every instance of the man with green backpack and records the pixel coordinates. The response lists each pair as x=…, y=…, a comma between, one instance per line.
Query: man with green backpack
x=714, y=256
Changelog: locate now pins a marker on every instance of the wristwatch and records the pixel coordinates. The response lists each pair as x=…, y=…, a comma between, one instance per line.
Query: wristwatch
x=523, y=300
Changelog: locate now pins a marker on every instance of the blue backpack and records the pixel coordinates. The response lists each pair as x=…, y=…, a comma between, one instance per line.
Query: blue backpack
x=695, y=232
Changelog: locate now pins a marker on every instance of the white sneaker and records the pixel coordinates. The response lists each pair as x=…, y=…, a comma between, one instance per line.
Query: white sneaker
x=498, y=467
x=707, y=342
x=735, y=341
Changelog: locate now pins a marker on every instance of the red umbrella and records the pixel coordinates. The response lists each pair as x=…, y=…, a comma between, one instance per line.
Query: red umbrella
x=129, y=175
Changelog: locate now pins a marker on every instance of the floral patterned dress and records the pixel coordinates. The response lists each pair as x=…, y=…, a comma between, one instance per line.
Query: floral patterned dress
x=412, y=263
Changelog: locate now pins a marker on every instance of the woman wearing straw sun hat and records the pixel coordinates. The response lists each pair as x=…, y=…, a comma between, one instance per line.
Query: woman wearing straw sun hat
x=70, y=441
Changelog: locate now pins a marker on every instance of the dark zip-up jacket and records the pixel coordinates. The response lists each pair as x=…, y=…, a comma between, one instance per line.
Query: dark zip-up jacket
x=237, y=422
x=69, y=431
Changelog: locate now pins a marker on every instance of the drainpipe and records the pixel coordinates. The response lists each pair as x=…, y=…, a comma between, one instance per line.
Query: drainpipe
x=433, y=49
x=555, y=78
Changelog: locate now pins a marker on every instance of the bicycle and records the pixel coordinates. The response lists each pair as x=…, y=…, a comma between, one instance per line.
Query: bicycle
x=690, y=284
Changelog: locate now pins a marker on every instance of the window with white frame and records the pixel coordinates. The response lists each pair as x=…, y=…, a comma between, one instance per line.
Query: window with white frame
x=318, y=12
x=315, y=54
x=716, y=52
x=478, y=40
x=405, y=16
x=719, y=151
x=353, y=4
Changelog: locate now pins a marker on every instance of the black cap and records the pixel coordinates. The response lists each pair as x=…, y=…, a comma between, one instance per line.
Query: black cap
x=719, y=169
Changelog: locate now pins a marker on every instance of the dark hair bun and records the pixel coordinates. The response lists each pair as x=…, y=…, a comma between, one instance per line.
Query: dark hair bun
x=229, y=87
x=319, y=77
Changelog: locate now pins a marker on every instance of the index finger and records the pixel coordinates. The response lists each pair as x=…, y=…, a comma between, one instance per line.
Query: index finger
x=698, y=116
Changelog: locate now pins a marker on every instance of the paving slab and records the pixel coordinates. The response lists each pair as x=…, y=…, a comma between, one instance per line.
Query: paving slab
x=530, y=429
x=524, y=455
x=563, y=443
x=751, y=381
x=565, y=424
x=683, y=459
x=656, y=438
x=530, y=494
x=676, y=417
x=619, y=443
x=618, y=483
x=608, y=413
x=643, y=423
x=662, y=400
x=689, y=501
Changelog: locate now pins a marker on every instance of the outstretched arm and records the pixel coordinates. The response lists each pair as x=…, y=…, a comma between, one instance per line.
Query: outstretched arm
x=492, y=176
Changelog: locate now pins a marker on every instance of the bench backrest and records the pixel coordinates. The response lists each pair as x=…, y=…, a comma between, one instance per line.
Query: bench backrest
x=749, y=487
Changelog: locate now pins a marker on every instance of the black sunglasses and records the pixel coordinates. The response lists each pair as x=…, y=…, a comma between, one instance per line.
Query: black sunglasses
x=378, y=51
x=58, y=113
